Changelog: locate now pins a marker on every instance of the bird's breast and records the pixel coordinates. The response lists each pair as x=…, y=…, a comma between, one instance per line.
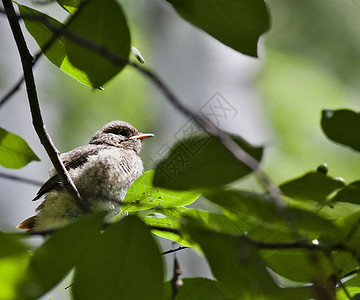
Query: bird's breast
x=108, y=175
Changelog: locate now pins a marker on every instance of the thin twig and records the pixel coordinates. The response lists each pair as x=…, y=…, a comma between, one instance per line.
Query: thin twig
x=176, y=281
x=21, y=179
x=27, y=63
x=174, y=250
x=12, y=91
x=296, y=245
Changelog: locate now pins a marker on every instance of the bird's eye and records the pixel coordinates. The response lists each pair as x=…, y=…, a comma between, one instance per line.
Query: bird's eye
x=118, y=131
x=124, y=133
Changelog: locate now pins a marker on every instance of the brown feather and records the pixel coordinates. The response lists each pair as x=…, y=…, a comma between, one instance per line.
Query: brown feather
x=78, y=158
x=27, y=224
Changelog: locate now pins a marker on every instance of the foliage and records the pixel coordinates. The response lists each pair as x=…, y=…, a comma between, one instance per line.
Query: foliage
x=297, y=232
x=14, y=151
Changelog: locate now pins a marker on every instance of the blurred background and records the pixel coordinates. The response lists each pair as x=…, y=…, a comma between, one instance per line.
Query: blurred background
x=308, y=61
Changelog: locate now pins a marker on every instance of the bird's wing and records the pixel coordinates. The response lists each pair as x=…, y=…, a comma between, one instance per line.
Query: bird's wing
x=72, y=159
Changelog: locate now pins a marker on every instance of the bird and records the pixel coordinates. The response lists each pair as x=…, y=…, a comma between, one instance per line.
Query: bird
x=102, y=171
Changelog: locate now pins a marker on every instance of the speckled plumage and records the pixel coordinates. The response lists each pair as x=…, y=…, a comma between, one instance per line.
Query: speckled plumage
x=102, y=171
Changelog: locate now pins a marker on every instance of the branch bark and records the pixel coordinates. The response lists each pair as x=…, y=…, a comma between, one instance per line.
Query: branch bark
x=27, y=64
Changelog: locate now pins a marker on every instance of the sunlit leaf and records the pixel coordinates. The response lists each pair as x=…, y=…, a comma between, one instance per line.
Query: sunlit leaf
x=103, y=23
x=172, y=219
x=13, y=261
x=59, y=254
x=342, y=126
x=143, y=195
x=69, y=5
x=236, y=23
x=14, y=151
x=218, y=222
x=124, y=263
x=314, y=186
x=166, y=223
x=352, y=287
x=199, y=161
x=57, y=53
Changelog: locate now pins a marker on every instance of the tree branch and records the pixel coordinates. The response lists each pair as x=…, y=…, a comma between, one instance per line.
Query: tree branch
x=21, y=179
x=27, y=63
x=176, y=281
x=174, y=250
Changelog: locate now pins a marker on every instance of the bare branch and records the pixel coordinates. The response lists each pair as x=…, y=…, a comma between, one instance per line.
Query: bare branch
x=27, y=63
x=12, y=91
x=174, y=250
x=21, y=179
x=176, y=281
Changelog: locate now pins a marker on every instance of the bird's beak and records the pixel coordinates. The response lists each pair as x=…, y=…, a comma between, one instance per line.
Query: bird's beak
x=141, y=136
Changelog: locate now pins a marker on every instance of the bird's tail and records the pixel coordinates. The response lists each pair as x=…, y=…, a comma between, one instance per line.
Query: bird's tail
x=27, y=224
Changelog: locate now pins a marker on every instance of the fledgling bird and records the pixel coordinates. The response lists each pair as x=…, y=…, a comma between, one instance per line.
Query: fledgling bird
x=102, y=171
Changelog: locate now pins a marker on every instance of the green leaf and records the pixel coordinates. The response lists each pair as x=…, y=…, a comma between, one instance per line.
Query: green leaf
x=103, y=23
x=314, y=186
x=350, y=225
x=342, y=126
x=238, y=267
x=352, y=287
x=236, y=23
x=167, y=218
x=10, y=246
x=59, y=254
x=200, y=162
x=261, y=207
x=300, y=265
x=14, y=151
x=166, y=223
x=57, y=53
x=198, y=288
x=350, y=193
x=143, y=195
x=234, y=263
x=124, y=263
x=13, y=261
x=218, y=222
x=69, y=5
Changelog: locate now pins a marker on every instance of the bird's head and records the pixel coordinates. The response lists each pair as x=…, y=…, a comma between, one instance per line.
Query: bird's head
x=120, y=134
